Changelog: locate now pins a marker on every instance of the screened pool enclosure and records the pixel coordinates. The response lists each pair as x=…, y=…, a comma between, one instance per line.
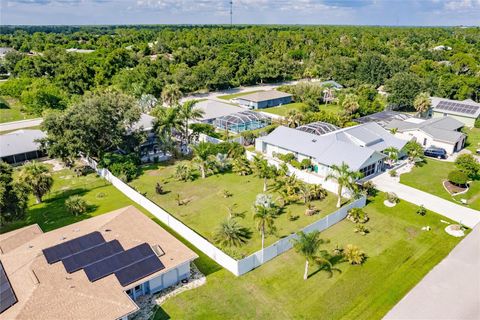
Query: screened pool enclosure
x=242, y=121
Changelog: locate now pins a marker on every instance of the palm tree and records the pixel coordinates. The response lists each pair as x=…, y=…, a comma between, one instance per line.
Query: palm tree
x=263, y=170
x=202, y=153
x=357, y=215
x=171, y=95
x=350, y=104
x=294, y=118
x=308, y=244
x=167, y=120
x=353, y=254
x=265, y=218
x=344, y=177
x=230, y=233
x=241, y=166
x=188, y=112
x=392, y=154
x=422, y=103
x=37, y=178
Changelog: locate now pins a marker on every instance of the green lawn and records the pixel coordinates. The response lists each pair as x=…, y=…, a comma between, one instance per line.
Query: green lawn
x=430, y=176
x=473, y=139
x=399, y=256
x=236, y=95
x=283, y=110
x=207, y=205
x=11, y=110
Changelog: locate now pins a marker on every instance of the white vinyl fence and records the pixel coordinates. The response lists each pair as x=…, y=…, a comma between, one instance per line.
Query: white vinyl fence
x=236, y=267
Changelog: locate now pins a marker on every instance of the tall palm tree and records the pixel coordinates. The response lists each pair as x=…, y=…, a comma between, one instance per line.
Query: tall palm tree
x=202, y=153
x=422, y=103
x=171, y=95
x=37, y=178
x=265, y=218
x=263, y=170
x=167, y=120
x=188, y=112
x=230, y=233
x=344, y=177
x=308, y=245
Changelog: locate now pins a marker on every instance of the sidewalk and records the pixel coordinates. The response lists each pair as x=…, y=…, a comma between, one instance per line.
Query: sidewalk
x=15, y=125
x=458, y=213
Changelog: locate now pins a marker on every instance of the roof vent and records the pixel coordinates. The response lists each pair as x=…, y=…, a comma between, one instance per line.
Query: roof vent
x=314, y=140
x=158, y=250
x=63, y=238
x=108, y=230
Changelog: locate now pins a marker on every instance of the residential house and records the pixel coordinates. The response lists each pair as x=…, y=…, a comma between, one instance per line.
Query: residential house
x=19, y=146
x=360, y=147
x=93, y=269
x=444, y=132
x=383, y=117
x=466, y=111
x=213, y=109
x=264, y=99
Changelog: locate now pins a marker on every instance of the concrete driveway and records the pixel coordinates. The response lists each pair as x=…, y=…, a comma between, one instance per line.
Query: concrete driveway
x=456, y=212
x=15, y=125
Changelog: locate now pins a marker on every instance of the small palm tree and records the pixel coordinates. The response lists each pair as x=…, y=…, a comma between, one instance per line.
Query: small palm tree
x=350, y=104
x=357, y=215
x=232, y=234
x=37, y=178
x=202, y=153
x=265, y=218
x=171, y=94
x=263, y=170
x=308, y=245
x=344, y=177
x=392, y=154
x=353, y=254
x=294, y=118
x=241, y=166
x=183, y=172
x=422, y=103
x=188, y=112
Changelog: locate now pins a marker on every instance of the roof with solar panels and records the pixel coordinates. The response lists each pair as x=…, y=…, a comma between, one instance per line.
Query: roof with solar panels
x=466, y=108
x=83, y=270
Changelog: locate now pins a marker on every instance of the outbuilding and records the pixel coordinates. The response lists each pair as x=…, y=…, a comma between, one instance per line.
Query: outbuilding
x=264, y=99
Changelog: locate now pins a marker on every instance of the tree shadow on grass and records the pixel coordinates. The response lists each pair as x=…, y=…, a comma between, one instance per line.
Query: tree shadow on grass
x=328, y=265
x=161, y=314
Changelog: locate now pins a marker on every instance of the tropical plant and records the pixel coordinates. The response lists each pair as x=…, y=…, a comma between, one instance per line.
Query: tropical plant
x=421, y=210
x=344, y=177
x=414, y=152
x=222, y=162
x=264, y=216
x=76, y=205
x=184, y=172
x=13, y=196
x=308, y=245
x=294, y=118
x=241, y=166
x=392, y=197
x=159, y=188
x=263, y=170
x=353, y=254
x=201, y=152
x=392, y=154
x=171, y=94
x=166, y=122
x=422, y=103
x=357, y=215
x=188, y=112
x=350, y=104
x=37, y=178
x=361, y=229
x=231, y=234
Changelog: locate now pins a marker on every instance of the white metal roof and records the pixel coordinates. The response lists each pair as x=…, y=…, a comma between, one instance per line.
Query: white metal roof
x=20, y=141
x=214, y=109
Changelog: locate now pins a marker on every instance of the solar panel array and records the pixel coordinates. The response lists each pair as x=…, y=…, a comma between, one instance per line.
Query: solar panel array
x=7, y=296
x=99, y=258
x=457, y=107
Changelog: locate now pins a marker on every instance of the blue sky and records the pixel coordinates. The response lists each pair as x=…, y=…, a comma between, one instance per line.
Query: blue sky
x=362, y=12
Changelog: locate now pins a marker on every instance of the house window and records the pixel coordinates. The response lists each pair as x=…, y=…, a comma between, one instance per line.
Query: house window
x=424, y=141
x=368, y=170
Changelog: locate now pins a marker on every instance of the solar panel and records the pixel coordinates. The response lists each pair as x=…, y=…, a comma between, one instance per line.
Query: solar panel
x=81, y=260
x=107, y=266
x=71, y=247
x=139, y=270
x=457, y=107
x=7, y=296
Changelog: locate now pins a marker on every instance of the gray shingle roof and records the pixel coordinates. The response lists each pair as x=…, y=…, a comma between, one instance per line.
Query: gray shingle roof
x=20, y=141
x=215, y=109
x=264, y=95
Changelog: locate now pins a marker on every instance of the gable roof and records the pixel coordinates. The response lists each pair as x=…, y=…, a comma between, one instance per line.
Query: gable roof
x=466, y=108
x=264, y=96
x=20, y=141
x=353, y=145
x=215, y=109
x=441, y=129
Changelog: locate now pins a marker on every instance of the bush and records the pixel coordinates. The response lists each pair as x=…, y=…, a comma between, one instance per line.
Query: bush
x=393, y=173
x=123, y=167
x=296, y=164
x=76, y=205
x=369, y=189
x=306, y=163
x=288, y=157
x=477, y=123
x=458, y=177
x=392, y=197
x=421, y=211
x=468, y=164
x=353, y=254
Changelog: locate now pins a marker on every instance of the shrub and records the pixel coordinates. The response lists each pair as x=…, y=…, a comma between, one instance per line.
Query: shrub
x=393, y=173
x=421, y=210
x=357, y=215
x=76, y=205
x=288, y=157
x=458, y=177
x=361, y=229
x=468, y=164
x=369, y=189
x=353, y=254
x=126, y=170
x=306, y=163
x=477, y=123
x=296, y=164
x=392, y=197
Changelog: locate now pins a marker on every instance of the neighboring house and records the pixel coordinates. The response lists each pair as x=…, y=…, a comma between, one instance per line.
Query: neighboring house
x=4, y=51
x=151, y=148
x=93, y=269
x=383, y=117
x=19, y=146
x=264, y=99
x=76, y=50
x=215, y=109
x=466, y=111
x=332, y=84
x=436, y=132
x=360, y=147
x=242, y=121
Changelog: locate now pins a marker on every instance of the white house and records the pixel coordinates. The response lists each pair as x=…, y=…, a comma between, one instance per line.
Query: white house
x=466, y=111
x=360, y=147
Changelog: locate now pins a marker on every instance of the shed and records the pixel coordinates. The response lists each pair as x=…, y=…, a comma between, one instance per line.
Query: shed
x=21, y=145
x=264, y=99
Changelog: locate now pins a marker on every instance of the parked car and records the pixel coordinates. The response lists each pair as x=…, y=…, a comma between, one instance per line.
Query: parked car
x=435, y=153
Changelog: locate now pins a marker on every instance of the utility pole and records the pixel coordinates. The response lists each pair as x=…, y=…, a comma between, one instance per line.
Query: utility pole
x=231, y=13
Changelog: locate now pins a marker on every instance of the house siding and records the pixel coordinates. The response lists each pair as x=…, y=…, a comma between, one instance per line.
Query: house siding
x=169, y=278
x=427, y=141
x=264, y=104
x=469, y=122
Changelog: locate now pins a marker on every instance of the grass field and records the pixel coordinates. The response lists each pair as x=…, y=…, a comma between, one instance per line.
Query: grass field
x=11, y=110
x=236, y=95
x=283, y=110
x=399, y=256
x=207, y=205
x=473, y=139
x=430, y=176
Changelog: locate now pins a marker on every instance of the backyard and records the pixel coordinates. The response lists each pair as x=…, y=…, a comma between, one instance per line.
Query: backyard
x=473, y=139
x=207, y=206
x=283, y=110
x=11, y=110
x=399, y=255
x=430, y=177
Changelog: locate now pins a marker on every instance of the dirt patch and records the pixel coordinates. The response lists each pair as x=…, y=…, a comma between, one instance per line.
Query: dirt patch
x=453, y=189
x=153, y=173
x=412, y=233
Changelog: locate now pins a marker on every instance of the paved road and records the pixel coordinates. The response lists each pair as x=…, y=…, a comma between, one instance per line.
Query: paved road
x=451, y=290
x=15, y=125
x=456, y=212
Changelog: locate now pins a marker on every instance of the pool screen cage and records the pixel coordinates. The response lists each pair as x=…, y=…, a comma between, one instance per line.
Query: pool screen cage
x=242, y=121
x=319, y=128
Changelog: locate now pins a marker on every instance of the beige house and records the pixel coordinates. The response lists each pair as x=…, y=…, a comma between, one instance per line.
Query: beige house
x=49, y=275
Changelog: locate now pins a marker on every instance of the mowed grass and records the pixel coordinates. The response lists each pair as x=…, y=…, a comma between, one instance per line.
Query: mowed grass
x=283, y=110
x=11, y=110
x=52, y=214
x=430, y=177
x=399, y=254
x=236, y=95
x=207, y=206
x=473, y=139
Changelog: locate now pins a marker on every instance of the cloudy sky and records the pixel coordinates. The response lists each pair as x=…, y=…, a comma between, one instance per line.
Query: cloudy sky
x=363, y=12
